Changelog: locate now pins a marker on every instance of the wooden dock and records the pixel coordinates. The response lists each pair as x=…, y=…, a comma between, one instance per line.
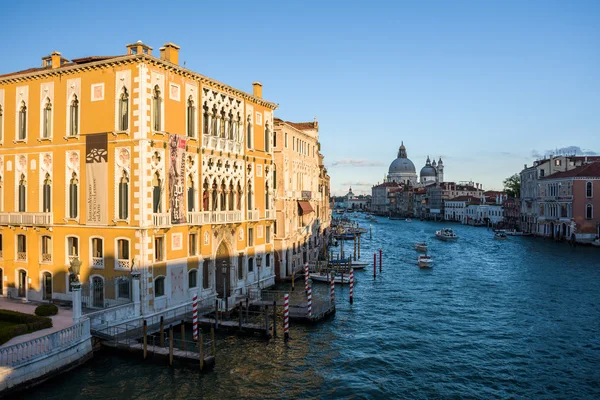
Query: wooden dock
x=187, y=358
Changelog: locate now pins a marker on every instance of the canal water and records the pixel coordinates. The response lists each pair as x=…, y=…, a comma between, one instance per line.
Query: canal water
x=492, y=319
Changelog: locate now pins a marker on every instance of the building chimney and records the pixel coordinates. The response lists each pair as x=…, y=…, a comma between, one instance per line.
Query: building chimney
x=170, y=52
x=257, y=89
x=54, y=60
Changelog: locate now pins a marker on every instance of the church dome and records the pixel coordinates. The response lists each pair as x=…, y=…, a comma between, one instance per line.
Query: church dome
x=402, y=165
x=428, y=170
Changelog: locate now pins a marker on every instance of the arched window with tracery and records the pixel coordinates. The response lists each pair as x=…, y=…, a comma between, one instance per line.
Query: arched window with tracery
x=205, y=196
x=231, y=197
x=215, y=122
x=230, y=126
x=205, y=119
x=267, y=138
x=156, y=193
x=223, y=195
x=249, y=196
x=249, y=133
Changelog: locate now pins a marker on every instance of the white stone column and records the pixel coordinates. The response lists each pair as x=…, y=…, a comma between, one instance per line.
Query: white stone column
x=76, y=291
x=135, y=292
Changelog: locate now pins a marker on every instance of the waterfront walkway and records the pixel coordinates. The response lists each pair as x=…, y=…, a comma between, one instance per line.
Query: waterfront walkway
x=62, y=320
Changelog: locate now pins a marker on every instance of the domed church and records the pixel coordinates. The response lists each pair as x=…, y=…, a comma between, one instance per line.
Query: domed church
x=402, y=170
x=432, y=172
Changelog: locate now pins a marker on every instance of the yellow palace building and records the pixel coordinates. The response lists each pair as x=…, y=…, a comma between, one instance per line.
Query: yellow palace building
x=128, y=162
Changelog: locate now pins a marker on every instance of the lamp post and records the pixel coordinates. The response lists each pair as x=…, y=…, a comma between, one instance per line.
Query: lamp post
x=225, y=294
x=76, y=288
x=258, y=263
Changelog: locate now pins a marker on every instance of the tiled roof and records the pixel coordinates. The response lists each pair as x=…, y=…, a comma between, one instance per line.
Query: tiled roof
x=387, y=184
x=591, y=170
x=463, y=198
x=75, y=61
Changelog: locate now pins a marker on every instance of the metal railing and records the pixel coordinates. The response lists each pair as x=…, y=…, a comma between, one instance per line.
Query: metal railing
x=25, y=218
x=214, y=217
x=270, y=214
x=27, y=351
x=106, y=293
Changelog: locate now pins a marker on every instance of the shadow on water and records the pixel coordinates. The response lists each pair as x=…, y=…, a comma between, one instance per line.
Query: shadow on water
x=491, y=319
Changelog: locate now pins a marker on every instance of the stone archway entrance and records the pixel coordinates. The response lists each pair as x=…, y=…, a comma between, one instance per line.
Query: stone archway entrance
x=552, y=230
x=223, y=261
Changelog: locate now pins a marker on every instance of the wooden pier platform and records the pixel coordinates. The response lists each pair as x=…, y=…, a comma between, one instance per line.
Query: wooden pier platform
x=234, y=326
x=187, y=358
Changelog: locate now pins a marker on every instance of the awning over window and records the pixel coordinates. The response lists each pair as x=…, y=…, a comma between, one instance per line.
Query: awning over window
x=304, y=207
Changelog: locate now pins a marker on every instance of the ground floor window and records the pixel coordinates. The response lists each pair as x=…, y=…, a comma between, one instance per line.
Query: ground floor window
x=159, y=286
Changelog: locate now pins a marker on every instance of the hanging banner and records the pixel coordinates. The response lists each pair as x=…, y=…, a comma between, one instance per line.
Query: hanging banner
x=96, y=174
x=177, y=179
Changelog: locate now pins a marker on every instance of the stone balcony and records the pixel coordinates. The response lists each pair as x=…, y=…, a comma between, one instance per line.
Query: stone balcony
x=253, y=215
x=214, y=217
x=161, y=220
x=25, y=218
x=270, y=214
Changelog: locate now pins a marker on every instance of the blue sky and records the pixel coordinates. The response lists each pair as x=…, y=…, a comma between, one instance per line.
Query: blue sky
x=484, y=84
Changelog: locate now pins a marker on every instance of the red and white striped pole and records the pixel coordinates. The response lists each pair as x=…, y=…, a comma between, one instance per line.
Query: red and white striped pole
x=309, y=297
x=306, y=277
x=351, y=285
x=286, y=317
x=195, y=316
x=332, y=290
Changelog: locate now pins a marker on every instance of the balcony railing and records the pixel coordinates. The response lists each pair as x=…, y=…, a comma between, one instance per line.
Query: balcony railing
x=123, y=264
x=252, y=215
x=46, y=257
x=97, y=262
x=270, y=214
x=21, y=256
x=25, y=218
x=161, y=219
x=214, y=217
x=221, y=144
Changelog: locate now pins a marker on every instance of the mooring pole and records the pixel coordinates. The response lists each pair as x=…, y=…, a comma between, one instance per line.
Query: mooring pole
x=380, y=258
x=355, y=246
x=195, y=316
x=182, y=335
x=201, y=352
x=293, y=276
x=162, y=332
x=212, y=339
x=247, y=309
x=358, y=246
x=351, y=285
x=145, y=339
x=216, y=314
x=374, y=265
x=274, y=318
x=267, y=321
x=241, y=313
x=171, y=345
x=286, y=317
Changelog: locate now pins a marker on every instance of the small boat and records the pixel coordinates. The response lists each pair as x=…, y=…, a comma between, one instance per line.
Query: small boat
x=326, y=278
x=500, y=236
x=596, y=242
x=446, y=234
x=408, y=220
x=424, y=261
x=421, y=246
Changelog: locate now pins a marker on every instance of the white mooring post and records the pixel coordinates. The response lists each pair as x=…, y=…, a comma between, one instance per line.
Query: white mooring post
x=76, y=291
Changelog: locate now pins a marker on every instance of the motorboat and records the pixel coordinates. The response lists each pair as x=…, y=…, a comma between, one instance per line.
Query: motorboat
x=516, y=233
x=344, y=262
x=421, y=246
x=446, y=234
x=326, y=278
x=408, y=220
x=424, y=261
x=500, y=236
x=596, y=242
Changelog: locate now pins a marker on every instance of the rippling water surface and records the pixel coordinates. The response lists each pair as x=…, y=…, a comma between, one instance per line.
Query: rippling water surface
x=512, y=319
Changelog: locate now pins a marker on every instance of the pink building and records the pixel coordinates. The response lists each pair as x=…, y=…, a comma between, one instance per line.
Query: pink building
x=569, y=204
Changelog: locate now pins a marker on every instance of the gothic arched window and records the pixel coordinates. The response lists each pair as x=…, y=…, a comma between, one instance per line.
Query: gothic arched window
x=22, y=121
x=47, y=124
x=124, y=196
x=22, y=193
x=47, y=194
x=74, y=116
x=156, y=109
x=191, y=197
x=191, y=118
x=124, y=110
x=73, y=191
x=267, y=138
x=156, y=193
